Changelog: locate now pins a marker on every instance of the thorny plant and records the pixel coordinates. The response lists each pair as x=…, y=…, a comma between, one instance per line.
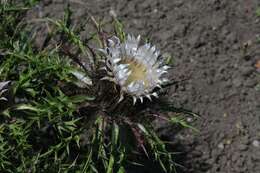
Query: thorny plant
x=58, y=116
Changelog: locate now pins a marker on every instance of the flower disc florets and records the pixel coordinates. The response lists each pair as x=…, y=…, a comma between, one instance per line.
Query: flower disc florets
x=135, y=68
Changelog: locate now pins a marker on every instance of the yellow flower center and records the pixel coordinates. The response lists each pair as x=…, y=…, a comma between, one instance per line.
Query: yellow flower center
x=138, y=71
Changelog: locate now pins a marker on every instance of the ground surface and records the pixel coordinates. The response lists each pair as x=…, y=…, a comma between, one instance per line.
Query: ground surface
x=214, y=45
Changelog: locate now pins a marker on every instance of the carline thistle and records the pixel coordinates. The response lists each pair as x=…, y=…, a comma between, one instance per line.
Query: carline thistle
x=136, y=68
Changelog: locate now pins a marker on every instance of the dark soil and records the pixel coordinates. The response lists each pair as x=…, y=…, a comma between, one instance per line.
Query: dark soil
x=214, y=45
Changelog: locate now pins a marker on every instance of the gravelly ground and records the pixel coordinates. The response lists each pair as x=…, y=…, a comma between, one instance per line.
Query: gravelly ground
x=214, y=45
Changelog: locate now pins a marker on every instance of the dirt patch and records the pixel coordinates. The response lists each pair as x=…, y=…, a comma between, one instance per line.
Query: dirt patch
x=214, y=45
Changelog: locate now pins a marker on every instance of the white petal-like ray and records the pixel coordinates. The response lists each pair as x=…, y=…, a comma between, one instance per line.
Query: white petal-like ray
x=149, y=97
x=141, y=99
x=134, y=100
x=155, y=94
x=110, y=43
x=121, y=98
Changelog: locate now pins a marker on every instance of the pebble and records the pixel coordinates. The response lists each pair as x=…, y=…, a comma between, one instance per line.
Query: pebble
x=112, y=13
x=155, y=10
x=221, y=145
x=242, y=147
x=256, y=143
x=189, y=119
x=179, y=3
x=235, y=46
x=228, y=141
x=237, y=82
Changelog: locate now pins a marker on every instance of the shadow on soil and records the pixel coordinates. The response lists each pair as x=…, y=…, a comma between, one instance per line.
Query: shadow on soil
x=182, y=159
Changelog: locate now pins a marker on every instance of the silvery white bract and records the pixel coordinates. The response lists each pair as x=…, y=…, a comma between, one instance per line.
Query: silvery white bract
x=3, y=89
x=83, y=80
x=134, y=67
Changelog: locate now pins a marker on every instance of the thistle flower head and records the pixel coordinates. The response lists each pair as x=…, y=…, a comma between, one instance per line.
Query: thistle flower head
x=134, y=67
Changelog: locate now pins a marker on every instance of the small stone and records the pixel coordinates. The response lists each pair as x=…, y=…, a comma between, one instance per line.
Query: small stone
x=179, y=3
x=112, y=13
x=155, y=10
x=235, y=46
x=189, y=119
x=239, y=125
x=228, y=141
x=237, y=82
x=242, y=147
x=248, y=43
x=221, y=146
x=256, y=143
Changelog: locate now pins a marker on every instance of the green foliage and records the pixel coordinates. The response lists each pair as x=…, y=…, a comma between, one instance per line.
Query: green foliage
x=158, y=148
x=258, y=11
x=42, y=126
x=118, y=27
x=257, y=87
